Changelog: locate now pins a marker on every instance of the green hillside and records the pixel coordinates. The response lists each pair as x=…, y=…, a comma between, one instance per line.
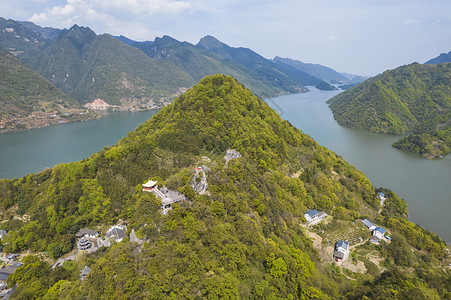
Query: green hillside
x=241, y=239
x=27, y=100
x=87, y=66
x=414, y=98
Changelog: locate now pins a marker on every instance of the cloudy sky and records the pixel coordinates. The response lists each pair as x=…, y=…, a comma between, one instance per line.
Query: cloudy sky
x=362, y=37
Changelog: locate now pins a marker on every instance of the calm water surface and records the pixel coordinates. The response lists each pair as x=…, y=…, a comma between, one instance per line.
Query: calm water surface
x=425, y=184
x=34, y=150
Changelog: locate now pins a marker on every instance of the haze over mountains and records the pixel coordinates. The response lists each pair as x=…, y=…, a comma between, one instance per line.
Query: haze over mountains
x=442, y=58
x=140, y=75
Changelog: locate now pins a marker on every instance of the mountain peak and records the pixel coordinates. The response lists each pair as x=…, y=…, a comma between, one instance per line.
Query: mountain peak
x=77, y=34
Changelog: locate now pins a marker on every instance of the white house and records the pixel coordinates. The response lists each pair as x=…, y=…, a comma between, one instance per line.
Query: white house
x=369, y=224
x=341, y=252
x=379, y=232
x=313, y=216
x=381, y=197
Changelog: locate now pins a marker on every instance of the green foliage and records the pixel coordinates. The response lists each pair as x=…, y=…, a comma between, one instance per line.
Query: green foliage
x=432, y=145
x=240, y=240
x=409, y=98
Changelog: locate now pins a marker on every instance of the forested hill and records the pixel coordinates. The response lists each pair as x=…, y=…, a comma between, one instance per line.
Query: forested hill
x=242, y=239
x=413, y=98
x=27, y=100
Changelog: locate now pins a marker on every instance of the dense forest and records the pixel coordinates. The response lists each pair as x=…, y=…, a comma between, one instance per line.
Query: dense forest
x=410, y=99
x=242, y=239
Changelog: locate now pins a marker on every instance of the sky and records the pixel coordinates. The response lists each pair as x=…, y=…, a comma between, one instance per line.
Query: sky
x=364, y=37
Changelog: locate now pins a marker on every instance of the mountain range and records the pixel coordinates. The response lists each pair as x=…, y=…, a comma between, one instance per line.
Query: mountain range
x=87, y=66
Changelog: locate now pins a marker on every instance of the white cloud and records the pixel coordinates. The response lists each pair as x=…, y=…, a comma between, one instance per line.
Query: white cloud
x=332, y=38
x=111, y=13
x=412, y=22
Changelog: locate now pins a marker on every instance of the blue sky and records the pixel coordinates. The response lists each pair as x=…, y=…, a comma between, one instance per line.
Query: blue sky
x=364, y=37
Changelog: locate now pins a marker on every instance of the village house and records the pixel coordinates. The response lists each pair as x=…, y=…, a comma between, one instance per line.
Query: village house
x=379, y=232
x=313, y=216
x=341, y=252
x=5, y=272
x=369, y=224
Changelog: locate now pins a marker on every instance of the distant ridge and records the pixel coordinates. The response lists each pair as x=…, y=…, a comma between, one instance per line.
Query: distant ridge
x=324, y=73
x=442, y=58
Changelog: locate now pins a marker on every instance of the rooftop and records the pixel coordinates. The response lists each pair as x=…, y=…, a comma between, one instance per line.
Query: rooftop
x=87, y=231
x=380, y=229
x=119, y=233
x=368, y=223
x=342, y=244
x=150, y=183
x=312, y=212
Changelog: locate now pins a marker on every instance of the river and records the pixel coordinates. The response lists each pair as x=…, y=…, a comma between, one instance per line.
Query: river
x=424, y=184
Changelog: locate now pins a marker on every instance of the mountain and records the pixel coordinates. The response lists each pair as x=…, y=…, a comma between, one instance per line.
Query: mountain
x=45, y=32
x=87, y=66
x=244, y=238
x=262, y=68
x=20, y=41
x=442, y=58
x=30, y=101
x=324, y=73
x=199, y=63
x=413, y=98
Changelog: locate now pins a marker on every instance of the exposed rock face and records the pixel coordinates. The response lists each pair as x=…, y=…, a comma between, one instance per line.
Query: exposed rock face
x=231, y=154
x=98, y=104
x=200, y=186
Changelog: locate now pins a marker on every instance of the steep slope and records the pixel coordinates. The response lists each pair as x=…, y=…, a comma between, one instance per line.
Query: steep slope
x=46, y=32
x=86, y=66
x=199, y=63
x=264, y=69
x=324, y=73
x=30, y=101
x=410, y=98
x=20, y=41
x=442, y=58
x=241, y=239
